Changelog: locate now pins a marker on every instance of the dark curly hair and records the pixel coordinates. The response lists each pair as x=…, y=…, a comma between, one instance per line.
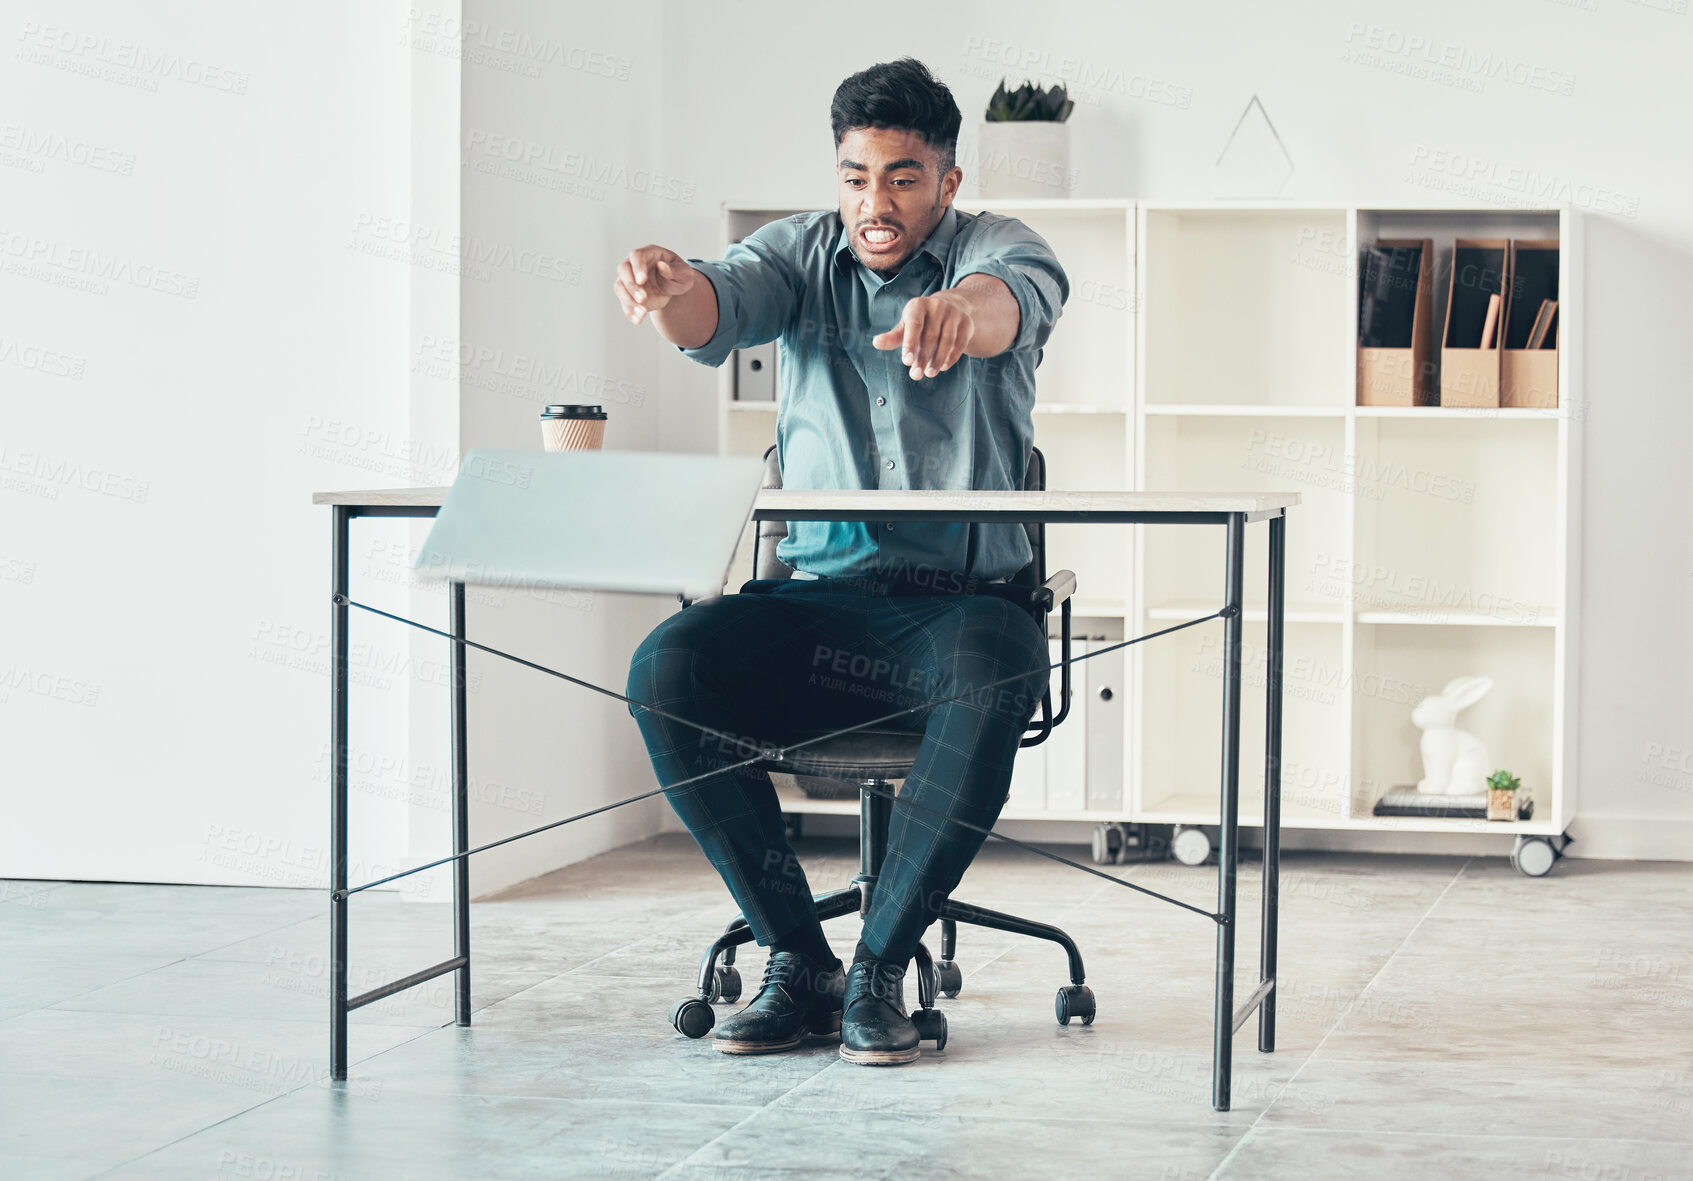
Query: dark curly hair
x=901, y=95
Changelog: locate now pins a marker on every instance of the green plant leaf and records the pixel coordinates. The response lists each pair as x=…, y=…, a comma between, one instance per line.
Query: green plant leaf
x=1029, y=104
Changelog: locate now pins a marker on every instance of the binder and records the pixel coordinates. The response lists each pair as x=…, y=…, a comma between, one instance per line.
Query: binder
x=1469, y=374
x=1067, y=746
x=1528, y=377
x=1395, y=318
x=755, y=373
x=1102, y=677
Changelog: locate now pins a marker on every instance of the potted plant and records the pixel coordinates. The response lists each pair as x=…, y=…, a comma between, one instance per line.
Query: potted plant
x=1502, y=795
x=1025, y=142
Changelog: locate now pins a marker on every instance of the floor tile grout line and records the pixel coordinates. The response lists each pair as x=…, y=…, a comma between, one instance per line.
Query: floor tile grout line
x=758, y=1111
x=1491, y=1137
x=1350, y=1005
x=156, y=968
x=248, y=1110
x=827, y=1066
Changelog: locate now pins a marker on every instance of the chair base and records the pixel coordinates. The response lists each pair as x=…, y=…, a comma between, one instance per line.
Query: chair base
x=719, y=981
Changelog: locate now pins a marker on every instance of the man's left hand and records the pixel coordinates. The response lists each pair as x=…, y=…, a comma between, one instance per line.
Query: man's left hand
x=932, y=333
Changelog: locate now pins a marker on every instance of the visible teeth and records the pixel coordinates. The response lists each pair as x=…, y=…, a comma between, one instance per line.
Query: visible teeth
x=879, y=235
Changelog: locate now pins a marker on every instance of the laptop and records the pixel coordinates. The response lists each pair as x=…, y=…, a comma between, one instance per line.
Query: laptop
x=636, y=521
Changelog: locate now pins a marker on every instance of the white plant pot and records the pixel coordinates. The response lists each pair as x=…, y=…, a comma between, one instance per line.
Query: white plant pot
x=1025, y=160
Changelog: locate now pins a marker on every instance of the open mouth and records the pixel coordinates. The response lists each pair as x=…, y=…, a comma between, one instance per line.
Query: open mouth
x=879, y=239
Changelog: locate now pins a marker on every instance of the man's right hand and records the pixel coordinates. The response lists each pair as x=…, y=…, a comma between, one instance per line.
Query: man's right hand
x=649, y=279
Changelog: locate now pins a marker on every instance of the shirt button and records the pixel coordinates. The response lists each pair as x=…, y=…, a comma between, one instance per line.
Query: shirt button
x=881, y=401
x=890, y=465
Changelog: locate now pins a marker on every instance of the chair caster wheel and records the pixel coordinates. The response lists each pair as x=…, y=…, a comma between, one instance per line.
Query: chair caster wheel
x=1075, y=1000
x=949, y=979
x=931, y=1026
x=692, y=1017
x=1110, y=843
x=727, y=986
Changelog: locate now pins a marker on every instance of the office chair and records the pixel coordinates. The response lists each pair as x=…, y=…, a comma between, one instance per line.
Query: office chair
x=874, y=757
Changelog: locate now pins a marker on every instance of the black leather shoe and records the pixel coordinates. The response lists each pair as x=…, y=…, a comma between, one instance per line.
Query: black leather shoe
x=799, y=996
x=875, y=1030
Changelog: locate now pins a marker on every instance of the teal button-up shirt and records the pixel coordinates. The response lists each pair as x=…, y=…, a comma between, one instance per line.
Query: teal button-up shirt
x=850, y=416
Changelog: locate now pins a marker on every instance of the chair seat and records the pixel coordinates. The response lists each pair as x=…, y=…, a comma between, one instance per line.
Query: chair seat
x=871, y=753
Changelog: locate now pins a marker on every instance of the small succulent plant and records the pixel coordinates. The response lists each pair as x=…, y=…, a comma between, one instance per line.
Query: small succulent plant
x=1029, y=104
x=1503, y=781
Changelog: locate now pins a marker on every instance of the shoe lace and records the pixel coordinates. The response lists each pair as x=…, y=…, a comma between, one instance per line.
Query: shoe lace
x=785, y=970
x=882, y=980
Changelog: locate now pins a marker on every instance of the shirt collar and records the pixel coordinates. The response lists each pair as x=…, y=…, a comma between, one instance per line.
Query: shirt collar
x=938, y=243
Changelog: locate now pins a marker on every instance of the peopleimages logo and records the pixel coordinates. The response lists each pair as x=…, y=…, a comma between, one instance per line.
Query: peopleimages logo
x=530, y=371
x=55, y=472
x=577, y=166
x=100, y=50
x=36, y=253
x=55, y=686
x=40, y=360
x=48, y=145
x=1412, y=52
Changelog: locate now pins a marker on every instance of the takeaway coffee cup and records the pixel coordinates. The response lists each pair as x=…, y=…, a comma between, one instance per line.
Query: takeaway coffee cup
x=572, y=428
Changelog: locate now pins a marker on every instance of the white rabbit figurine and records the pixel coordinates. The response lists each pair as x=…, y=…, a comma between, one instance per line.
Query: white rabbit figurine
x=1454, y=761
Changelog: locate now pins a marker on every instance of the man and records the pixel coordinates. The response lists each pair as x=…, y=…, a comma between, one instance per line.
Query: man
x=965, y=303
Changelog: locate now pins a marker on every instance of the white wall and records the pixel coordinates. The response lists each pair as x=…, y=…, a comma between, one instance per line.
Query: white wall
x=561, y=159
x=1160, y=86
x=163, y=576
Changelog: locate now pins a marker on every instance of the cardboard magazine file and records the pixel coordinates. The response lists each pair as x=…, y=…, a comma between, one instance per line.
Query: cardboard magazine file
x=1399, y=373
x=1528, y=377
x=1469, y=374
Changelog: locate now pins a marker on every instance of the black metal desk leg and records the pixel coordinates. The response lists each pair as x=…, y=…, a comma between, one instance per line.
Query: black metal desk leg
x=1274, y=638
x=338, y=794
x=461, y=809
x=1222, y=1052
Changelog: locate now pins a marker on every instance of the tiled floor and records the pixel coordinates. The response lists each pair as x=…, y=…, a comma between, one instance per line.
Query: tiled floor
x=1440, y=1017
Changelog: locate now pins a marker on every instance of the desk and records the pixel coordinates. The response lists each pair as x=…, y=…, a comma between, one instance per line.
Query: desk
x=1232, y=511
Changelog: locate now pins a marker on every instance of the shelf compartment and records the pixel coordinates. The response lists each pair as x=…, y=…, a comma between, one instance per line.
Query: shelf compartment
x=1087, y=453
x=1086, y=363
x=1181, y=693
x=1531, y=616
x=1398, y=666
x=1237, y=409
x=1457, y=520
x=1443, y=227
x=1184, y=564
x=1509, y=413
x=1076, y=408
x=1247, y=306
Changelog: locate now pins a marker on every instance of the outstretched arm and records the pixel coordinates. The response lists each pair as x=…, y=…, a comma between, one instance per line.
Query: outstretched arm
x=657, y=282
x=977, y=318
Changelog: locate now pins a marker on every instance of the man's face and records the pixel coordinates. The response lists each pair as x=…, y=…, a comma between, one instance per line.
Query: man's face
x=892, y=194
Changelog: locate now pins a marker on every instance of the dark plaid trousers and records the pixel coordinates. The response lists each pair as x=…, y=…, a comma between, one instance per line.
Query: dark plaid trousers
x=790, y=656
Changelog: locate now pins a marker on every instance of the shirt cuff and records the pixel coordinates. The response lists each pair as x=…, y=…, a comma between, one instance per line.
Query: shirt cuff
x=716, y=350
x=1030, y=314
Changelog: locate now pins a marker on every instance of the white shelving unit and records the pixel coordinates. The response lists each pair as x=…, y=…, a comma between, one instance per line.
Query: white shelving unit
x=1431, y=542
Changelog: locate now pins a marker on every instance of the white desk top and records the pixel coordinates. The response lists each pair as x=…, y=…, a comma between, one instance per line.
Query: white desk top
x=386, y=497
x=1014, y=505
x=1018, y=504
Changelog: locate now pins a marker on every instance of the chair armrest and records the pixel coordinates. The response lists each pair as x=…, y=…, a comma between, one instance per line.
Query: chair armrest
x=1056, y=589
x=1043, y=728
